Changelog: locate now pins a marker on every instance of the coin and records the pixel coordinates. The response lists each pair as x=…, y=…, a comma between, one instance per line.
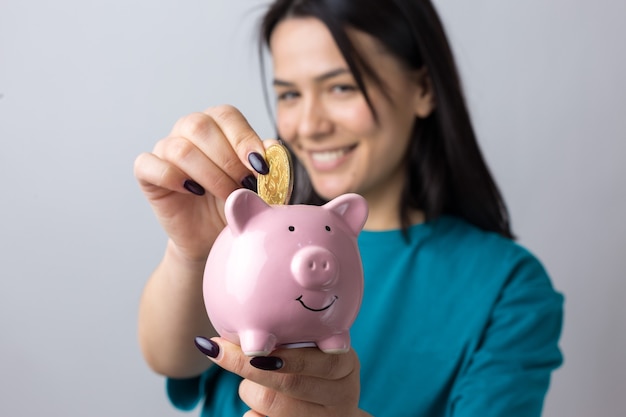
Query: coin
x=276, y=186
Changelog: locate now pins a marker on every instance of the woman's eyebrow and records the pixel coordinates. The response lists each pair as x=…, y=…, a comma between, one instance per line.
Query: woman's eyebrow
x=322, y=77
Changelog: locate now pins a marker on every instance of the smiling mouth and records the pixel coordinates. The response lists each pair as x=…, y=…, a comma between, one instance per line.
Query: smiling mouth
x=317, y=309
x=331, y=157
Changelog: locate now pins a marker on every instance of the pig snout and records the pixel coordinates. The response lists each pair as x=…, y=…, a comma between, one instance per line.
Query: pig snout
x=315, y=268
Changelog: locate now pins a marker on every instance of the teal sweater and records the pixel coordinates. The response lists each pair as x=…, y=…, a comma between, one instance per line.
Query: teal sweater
x=454, y=322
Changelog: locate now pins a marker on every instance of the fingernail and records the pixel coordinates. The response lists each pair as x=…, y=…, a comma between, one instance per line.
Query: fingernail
x=193, y=187
x=207, y=347
x=258, y=163
x=267, y=363
x=250, y=183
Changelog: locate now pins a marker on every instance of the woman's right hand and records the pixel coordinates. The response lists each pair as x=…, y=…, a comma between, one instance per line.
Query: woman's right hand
x=190, y=173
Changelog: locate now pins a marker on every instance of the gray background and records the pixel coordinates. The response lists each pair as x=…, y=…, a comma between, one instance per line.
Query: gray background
x=85, y=86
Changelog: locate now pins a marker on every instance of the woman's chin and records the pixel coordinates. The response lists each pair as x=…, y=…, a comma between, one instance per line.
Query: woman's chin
x=331, y=191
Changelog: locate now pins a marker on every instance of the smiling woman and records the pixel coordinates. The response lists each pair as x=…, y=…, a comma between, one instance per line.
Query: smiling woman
x=328, y=123
x=456, y=319
x=388, y=65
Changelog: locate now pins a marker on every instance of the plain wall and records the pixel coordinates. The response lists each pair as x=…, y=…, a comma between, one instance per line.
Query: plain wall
x=85, y=86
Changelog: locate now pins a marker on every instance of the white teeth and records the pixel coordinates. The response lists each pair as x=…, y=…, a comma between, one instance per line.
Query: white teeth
x=328, y=156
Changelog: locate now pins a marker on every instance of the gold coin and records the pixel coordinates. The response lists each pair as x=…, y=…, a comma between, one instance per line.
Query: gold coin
x=276, y=186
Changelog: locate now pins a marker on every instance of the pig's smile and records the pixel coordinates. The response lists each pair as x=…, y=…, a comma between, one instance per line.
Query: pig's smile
x=317, y=309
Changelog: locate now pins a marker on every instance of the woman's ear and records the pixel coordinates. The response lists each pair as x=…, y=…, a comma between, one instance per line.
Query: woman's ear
x=424, y=102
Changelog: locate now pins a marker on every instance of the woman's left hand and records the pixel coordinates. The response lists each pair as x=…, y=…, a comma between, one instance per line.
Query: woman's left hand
x=295, y=382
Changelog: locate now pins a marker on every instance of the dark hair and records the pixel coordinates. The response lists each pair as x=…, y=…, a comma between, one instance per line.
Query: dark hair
x=446, y=172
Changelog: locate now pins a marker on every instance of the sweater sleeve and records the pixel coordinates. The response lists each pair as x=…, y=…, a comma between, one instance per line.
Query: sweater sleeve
x=508, y=374
x=216, y=391
x=185, y=394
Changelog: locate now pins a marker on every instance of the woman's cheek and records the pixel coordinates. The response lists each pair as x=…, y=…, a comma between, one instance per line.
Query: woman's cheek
x=355, y=116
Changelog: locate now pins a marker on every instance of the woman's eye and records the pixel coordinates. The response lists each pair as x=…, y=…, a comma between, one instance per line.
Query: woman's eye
x=343, y=88
x=287, y=95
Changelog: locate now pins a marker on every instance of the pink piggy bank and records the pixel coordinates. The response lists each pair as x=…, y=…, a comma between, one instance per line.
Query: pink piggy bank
x=286, y=276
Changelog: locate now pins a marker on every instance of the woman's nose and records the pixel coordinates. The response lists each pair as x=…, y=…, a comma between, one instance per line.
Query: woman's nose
x=314, y=119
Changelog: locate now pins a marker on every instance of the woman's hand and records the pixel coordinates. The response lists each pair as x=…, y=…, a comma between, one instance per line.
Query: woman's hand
x=190, y=173
x=292, y=382
x=186, y=179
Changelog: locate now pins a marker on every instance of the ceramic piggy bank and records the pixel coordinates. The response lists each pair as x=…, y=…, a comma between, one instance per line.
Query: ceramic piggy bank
x=281, y=276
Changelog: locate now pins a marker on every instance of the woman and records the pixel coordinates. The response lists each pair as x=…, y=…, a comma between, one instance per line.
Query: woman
x=456, y=320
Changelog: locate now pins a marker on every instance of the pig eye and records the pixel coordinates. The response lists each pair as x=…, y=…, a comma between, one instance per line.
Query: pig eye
x=328, y=228
x=291, y=228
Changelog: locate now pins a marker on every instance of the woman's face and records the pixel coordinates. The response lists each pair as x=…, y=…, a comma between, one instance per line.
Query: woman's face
x=325, y=119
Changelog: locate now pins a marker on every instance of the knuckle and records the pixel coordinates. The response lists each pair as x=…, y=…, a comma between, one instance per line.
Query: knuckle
x=240, y=131
x=178, y=149
x=222, y=186
x=244, y=138
x=297, y=365
x=195, y=124
x=234, y=166
x=333, y=366
x=239, y=364
x=159, y=146
x=138, y=165
x=224, y=112
x=167, y=173
x=269, y=398
x=259, y=396
x=291, y=383
x=147, y=171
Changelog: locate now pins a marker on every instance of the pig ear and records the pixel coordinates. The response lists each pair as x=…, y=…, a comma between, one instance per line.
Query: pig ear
x=352, y=208
x=242, y=205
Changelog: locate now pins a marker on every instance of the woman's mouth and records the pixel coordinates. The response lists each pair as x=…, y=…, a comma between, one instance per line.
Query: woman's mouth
x=330, y=159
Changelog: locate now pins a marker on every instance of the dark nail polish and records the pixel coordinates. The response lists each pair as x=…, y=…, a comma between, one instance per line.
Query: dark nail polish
x=193, y=187
x=267, y=363
x=207, y=347
x=250, y=183
x=258, y=163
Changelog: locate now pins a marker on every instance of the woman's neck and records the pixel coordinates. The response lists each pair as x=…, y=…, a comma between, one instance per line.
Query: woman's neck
x=384, y=207
x=381, y=218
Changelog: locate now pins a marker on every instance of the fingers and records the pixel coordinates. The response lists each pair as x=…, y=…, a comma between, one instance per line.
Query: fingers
x=310, y=362
x=311, y=375
x=152, y=171
x=315, y=363
x=209, y=151
x=270, y=402
x=215, y=172
x=234, y=126
x=222, y=126
x=305, y=374
x=159, y=178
